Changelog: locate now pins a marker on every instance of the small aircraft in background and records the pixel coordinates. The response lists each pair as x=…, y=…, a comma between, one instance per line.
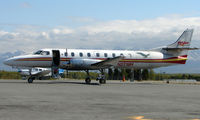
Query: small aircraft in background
x=86, y=59
x=35, y=73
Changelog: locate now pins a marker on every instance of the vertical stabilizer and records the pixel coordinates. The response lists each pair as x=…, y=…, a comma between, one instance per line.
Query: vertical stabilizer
x=181, y=47
x=184, y=40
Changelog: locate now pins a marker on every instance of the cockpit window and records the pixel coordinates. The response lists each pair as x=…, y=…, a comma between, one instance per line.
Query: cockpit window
x=40, y=52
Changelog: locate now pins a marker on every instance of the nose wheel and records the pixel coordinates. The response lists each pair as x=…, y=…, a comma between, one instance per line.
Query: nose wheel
x=30, y=79
x=87, y=79
x=102, y=81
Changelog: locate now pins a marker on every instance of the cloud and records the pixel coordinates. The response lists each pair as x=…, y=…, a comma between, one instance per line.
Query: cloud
x=62, y=31
x=115, y=34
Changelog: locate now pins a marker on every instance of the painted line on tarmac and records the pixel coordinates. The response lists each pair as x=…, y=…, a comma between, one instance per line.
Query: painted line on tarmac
x=137, y=118
x=143, y=118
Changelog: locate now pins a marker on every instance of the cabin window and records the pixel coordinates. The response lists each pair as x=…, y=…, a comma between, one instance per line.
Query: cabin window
x=105, y=55
x=97, y=54
x=66, y=54
x=88, y=54
x=40, y=69
x=113, y=55
x=121, y=54
x=72, y=54
x=81, y=54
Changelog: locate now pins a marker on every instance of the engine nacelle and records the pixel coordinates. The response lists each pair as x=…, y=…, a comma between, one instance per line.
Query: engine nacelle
x=83, y=62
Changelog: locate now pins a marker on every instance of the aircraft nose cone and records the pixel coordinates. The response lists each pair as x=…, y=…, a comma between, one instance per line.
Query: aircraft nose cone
x=8, y=62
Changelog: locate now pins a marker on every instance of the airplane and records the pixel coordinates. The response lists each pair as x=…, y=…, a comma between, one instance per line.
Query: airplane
x=87, y=59
x=35, y=73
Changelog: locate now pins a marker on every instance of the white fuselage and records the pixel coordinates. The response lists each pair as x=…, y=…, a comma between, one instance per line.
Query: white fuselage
x=81, y=59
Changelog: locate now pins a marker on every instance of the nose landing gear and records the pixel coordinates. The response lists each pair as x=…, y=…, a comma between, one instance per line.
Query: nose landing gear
x=30, y=79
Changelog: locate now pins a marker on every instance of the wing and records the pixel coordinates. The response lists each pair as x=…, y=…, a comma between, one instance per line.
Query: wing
x=108, y=62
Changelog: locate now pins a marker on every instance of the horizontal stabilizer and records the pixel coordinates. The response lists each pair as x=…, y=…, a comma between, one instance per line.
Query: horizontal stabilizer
x=108, y=62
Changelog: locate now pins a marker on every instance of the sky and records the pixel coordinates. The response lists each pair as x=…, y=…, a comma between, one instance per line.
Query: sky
x=53, y=13
x=29, y=25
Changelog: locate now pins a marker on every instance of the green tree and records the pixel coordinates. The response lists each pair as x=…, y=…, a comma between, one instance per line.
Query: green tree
x=152, y=75
x=137, y=74
x=145, y=74
x=116, y=74
x=184, y=76
x=128, y=74
x=110, y=74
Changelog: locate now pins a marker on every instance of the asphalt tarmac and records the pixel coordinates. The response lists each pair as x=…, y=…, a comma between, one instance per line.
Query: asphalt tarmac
x=74, y=100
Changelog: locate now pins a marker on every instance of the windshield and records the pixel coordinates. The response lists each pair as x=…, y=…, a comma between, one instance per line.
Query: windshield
x=38, y=52
x=41, y=52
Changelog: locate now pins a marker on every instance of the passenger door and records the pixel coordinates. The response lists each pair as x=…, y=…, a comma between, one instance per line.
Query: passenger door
x=55, y=63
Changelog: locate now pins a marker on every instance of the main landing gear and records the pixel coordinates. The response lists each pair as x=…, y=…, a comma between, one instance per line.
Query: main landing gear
x=101, y=78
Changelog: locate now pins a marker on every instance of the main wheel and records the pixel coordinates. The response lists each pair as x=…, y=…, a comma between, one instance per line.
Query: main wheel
x=87, y=80
x=30, y=80
x=102, y=81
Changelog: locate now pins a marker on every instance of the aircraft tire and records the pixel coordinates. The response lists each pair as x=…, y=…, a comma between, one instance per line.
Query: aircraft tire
x=30, y=80
x=102, y=81
x=87, y=80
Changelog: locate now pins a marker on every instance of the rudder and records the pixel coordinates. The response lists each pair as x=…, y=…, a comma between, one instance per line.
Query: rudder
x=183, y=41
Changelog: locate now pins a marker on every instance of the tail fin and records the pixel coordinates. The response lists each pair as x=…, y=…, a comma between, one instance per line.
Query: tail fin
x=181, y=47
x=183, y=41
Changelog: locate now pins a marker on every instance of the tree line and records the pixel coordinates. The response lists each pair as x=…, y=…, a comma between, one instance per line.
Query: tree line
x=114, y=74
x=9, y=75
x=139, y=74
